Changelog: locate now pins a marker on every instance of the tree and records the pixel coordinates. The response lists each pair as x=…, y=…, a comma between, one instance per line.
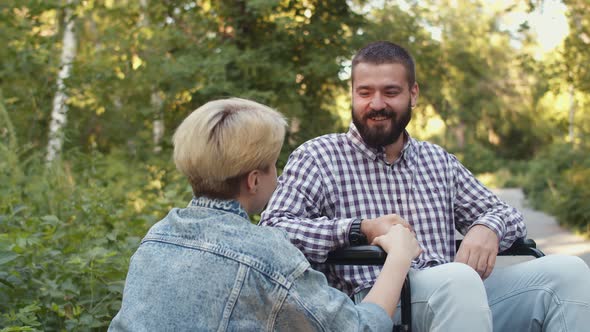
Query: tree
x=468, y=72
x=576, y=57
x=59, y=112
x=284, y=53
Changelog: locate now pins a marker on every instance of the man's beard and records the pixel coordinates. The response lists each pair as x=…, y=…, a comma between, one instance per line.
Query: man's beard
x=377, y=136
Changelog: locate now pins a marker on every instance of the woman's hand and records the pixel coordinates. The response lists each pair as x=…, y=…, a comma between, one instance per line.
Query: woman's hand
x=399, y=241
x=401, y=246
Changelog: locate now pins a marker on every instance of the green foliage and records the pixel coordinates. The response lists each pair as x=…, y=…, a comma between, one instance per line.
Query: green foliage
x=576, y=53
x=509, y=174
x=135, y=64
x=469, y=74
x=491, y=169
x=558, y=181
x=67, y=233
x=478, y=158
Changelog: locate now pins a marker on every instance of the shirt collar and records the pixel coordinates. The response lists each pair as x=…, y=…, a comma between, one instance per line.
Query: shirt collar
x=408, y=151
x=231, y=206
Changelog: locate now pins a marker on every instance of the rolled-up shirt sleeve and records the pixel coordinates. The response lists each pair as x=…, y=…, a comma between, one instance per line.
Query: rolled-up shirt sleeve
x=297, y=207
x=474, y=204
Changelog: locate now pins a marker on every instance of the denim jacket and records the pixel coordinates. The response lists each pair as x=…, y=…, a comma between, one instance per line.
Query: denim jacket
x=207, y=268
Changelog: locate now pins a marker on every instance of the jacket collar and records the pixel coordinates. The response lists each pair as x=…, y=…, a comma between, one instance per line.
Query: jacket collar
x=231, y=206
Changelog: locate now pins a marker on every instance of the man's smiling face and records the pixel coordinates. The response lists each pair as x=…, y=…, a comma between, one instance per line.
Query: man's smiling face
x=381, y=102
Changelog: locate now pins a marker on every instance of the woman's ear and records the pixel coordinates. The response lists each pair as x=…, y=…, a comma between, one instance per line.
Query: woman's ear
x=252, y=181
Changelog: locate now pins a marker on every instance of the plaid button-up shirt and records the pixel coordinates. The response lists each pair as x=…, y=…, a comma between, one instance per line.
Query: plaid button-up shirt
x=334, y=179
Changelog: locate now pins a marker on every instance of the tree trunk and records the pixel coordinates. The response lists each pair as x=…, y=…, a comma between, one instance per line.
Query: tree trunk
x=156, y=99
x=60, y=109
x=572, y=113
x=158, y=124
x=459, y=132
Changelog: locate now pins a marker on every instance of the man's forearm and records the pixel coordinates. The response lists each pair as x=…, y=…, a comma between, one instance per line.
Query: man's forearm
x=315, y=237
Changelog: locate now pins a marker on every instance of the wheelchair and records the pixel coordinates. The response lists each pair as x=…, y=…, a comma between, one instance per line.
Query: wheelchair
x=374, y=255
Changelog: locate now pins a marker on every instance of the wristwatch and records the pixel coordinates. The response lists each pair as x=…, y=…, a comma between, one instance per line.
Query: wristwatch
x=355, y=236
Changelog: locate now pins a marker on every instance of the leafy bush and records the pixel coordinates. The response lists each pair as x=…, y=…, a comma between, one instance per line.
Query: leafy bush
x=478, y=158
x=558, y=182
x=67, y=233
x=572, y=204
x=490, y=168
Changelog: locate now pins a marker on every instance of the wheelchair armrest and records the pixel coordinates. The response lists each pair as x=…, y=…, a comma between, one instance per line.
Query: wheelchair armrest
x=357, y=255
x=374, y=255
x=523, y=247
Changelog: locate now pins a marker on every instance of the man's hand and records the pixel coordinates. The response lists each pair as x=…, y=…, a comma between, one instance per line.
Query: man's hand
x=479, y=250
x=373, y=228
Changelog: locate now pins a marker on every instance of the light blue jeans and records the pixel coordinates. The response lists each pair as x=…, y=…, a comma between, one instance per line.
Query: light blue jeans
x=546, y=294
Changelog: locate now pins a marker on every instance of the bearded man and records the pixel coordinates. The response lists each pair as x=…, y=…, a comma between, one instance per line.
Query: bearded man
x=346, y=189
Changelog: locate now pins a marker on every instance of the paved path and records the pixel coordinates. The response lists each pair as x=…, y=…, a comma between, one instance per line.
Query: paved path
x=543, y=228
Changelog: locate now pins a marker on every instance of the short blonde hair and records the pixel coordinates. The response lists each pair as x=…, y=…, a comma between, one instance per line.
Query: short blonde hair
x=223, y=140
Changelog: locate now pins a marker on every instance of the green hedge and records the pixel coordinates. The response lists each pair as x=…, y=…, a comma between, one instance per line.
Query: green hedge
x=558, y=182
x=67, y=233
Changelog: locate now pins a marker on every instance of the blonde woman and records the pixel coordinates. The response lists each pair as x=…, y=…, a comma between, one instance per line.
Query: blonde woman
x=206, y=267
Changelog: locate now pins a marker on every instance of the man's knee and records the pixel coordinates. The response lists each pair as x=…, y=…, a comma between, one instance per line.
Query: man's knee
x=460, y=284
x=457, y=301
x=564, y=270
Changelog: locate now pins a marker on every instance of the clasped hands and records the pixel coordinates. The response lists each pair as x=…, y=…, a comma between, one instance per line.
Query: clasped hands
x=479, y=247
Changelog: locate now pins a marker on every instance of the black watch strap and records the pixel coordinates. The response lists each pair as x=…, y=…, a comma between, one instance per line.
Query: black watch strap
x=355, y=236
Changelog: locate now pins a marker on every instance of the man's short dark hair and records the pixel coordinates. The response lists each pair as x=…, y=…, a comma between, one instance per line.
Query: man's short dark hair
x=382, y=52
